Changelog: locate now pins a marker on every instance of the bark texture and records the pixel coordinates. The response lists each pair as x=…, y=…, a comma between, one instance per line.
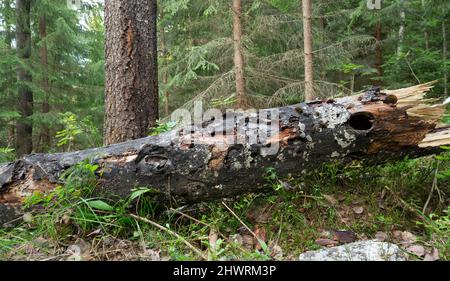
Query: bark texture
x=9, y=35
x=44, y=139
x=401, y=30
x=373, y=127
x=308, y=49
x=239, y=63
x=24, y=127
x=444, y=57
x=165, y=76
x=131, y=92
x=379, y=52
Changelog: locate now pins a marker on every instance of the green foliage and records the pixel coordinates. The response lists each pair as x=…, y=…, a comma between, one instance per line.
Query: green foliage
x=224, y=101
x=71, y=130
x=74, y=129
x=438, y=228
x=6, y=154
x=162, y=128
x=272, y=178
x=444, y=157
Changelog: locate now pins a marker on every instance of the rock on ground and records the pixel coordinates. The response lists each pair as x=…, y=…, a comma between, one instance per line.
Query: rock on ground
x=359, y=251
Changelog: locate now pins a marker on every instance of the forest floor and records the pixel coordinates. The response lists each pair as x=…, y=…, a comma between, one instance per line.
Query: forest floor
x=333, y=206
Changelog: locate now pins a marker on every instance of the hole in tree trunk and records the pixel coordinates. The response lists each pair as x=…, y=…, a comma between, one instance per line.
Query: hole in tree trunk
x=362, y=121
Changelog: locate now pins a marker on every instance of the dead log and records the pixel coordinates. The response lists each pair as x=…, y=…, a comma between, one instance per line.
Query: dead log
x=216, y=159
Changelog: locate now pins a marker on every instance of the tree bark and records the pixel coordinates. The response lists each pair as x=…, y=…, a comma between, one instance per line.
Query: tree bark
x=239, y=64
x=24, y=127
x=373, y=127
x=425, y=31
x=131, y=92
x=378, y=52
x=401, y=30
x=9, y=35
x=444, y=57
x=45, y=140
x=308, y=46
x=165, y=77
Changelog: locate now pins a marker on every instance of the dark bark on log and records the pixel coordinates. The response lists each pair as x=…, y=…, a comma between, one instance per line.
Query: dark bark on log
x=373, y=127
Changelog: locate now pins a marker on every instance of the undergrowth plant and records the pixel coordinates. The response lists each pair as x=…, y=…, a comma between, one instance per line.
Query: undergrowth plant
x=6, y=154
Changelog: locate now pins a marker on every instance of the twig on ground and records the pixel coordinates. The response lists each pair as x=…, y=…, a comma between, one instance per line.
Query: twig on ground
x=192, y=247
x=433, y=188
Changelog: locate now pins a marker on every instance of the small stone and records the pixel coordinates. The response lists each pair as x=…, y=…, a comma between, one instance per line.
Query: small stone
x=408, y=238
x=417, y=250
x=358, y=210
x=359, y=251
x=381, y=236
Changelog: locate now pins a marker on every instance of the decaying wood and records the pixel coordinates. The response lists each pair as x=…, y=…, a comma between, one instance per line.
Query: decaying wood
x=374, y=126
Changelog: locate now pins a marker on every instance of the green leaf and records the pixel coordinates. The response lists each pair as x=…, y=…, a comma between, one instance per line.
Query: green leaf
x=139, y=192
x=100, y=205
x=9, y=115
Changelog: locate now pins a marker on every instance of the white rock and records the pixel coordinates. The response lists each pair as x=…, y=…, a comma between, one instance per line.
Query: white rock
x=359, y=251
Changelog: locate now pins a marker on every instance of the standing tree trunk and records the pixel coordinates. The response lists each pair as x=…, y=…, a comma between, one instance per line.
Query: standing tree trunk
x=425, y=32
x=444, y=57
x=308, y=43
x=165, y=77
x=9, y=35
x=45, y=141
x=401, y=30
x=378, y=53
x=24, y=127
x=131, y=92
x=238, y=55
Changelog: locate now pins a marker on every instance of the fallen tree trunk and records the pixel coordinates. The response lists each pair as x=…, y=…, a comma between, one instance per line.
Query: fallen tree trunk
x=200, y=163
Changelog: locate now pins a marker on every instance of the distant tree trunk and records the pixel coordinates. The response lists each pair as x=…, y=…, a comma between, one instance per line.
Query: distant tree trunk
x=425, y=32
x=378, y=53
x=131, y=91
x=166, y=71
x=8, y=32
x=444, y=57
x=24, y=127
x=308, y=48
x=401, y=30
x=238, y=55
x=45, y=140
x=9, y=35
